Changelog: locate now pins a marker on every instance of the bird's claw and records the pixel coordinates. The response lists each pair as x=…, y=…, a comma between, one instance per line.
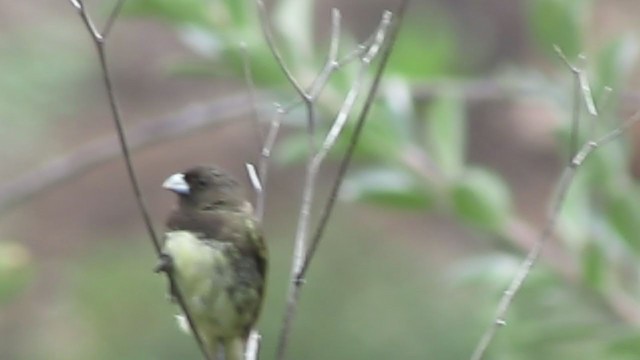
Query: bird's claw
x=165, y=264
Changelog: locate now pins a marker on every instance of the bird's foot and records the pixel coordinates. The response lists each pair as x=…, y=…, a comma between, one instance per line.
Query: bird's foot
x=165, y=264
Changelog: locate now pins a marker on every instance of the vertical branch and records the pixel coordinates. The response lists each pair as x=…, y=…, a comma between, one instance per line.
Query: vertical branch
x=254, y=176
x=332, y=59
x=265, y=156
x=251, y=90
x=99, y=41
x=581, y=92
x=300, y=256
x=112, y=18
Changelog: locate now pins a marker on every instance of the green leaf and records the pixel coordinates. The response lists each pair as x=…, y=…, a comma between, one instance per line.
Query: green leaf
x=623, y=213
x=15, y=269
x=230, y=65
x=387, y=187
x=627, y=344
x=292, y=149
x=495, y=270
x=594, y=265
x=294, y=20
x=399, y=103
x=417, y=57
x=183, y=12
x=239, y=11
x=557, y=22
x=615, y=62
x=482, y=199
x=446, y=134
x=382, y=139
x=576, y=218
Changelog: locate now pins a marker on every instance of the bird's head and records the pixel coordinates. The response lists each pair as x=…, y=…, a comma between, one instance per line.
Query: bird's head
x=207, y=188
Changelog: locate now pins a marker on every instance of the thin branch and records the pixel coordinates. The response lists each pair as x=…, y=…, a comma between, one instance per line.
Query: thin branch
x=582, y=79
x=355, y=137
x=332, y=59
x=112, y=18
x=251, y=90
x=268, y=34
x=253, y=174
x=332, y=64
x=524, y=270
x=300, y=256
x=99, y=41
x=258, y=189
x=581, y=93
x=265, y=156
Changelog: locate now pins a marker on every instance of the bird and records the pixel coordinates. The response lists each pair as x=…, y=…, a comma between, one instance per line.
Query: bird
x=217, y=256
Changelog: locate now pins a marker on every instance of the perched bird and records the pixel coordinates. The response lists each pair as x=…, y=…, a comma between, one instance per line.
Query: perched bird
x=215, y=250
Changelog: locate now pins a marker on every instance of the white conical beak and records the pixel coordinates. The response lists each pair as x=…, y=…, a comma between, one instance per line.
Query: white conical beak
x=177, y=184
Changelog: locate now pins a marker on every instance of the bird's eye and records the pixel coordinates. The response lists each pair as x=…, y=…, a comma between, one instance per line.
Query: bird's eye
x=202, y=182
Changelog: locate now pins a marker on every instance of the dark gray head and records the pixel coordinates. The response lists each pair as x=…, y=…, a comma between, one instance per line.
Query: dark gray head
x=207, y=188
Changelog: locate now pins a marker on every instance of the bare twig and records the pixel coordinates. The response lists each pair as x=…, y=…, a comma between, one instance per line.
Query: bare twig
x=251, y=90
x=332, y=59
x=524, y=270
x=302, y=93
x=99, y=40
x=265, y=156
x=112, y=18
x=258, y=189
x=300, y=256
x=268, y=34
x=253, y=174
x=581, y=90
x=332, y=64
x=581, y=93
x=582, y=80
x=335, y=131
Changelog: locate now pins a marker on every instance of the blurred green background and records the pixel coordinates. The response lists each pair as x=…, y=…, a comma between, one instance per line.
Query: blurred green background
x=449, y=188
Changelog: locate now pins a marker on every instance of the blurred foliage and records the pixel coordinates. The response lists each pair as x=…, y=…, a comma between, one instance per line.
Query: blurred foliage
x=16, y=270
x=113, y=298
x=599, y=221
x=35, y=93
x=380, y=308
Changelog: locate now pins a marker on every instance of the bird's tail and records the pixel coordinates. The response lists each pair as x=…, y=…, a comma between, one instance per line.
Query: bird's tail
x=233, y=348
x=227, y=349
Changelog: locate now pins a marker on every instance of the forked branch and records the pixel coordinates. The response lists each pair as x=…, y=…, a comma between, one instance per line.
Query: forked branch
x=99, y=40
x=562, y=188
x=365, y=53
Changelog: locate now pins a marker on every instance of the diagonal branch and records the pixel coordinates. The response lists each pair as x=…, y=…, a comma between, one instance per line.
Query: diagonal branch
x=112, y=18
x=566, y=179
x=581, y=90
x=99, y=40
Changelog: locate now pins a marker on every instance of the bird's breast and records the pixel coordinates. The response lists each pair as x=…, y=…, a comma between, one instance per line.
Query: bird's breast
x=202, y=270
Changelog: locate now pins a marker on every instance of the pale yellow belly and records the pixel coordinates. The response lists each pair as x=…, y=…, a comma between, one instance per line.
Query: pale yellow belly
x=203, y=274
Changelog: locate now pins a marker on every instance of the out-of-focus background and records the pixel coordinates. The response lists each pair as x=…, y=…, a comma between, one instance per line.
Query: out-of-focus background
x=448, y=190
